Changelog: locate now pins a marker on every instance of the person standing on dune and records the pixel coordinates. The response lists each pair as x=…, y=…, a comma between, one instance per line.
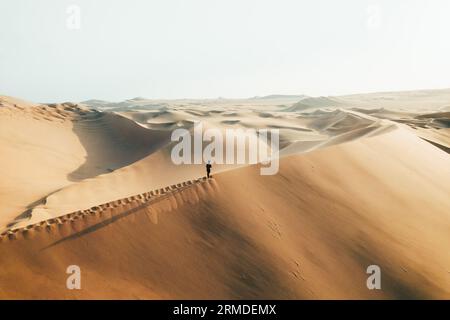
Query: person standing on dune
x=208, y=169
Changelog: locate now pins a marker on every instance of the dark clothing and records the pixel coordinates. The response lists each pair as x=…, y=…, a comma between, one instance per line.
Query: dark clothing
x=208, y=169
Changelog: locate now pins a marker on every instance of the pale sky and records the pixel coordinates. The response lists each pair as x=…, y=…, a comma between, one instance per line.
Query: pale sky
x=227, y=48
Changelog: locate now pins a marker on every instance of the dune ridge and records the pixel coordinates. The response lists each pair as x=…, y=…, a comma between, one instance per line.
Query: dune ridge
x=139, y=200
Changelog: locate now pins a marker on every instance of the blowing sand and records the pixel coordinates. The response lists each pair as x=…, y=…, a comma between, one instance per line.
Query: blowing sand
x=359, y=184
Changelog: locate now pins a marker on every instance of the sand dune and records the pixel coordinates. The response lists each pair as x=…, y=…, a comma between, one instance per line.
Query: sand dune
x=363, y=179
x=300, y=235
x=48, y=147
x=131, y=150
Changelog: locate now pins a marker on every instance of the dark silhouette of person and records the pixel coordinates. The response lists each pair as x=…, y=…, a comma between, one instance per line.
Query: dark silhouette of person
x=208, y=169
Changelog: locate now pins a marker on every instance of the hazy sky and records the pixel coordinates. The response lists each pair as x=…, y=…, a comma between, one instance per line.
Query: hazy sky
x=228, y=48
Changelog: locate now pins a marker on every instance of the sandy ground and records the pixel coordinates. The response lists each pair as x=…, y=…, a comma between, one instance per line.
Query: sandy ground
x=359, y=184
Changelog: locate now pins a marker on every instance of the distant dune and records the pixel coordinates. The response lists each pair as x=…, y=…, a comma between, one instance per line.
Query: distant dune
x=316, y=103
x=363, y=180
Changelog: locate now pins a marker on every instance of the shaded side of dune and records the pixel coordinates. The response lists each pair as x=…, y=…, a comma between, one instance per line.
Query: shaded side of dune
x=111, y=142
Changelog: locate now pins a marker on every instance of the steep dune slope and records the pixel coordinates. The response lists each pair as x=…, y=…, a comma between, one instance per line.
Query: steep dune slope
x=308, y=232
